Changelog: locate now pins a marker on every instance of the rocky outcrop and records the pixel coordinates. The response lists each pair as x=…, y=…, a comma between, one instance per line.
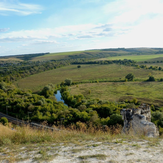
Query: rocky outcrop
x=138, y=121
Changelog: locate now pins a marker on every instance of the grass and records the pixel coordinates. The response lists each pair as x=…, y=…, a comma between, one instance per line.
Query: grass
x=27, y=135
x=56, y=55
x=137, y=58
x=86, y=73
x=148, y=92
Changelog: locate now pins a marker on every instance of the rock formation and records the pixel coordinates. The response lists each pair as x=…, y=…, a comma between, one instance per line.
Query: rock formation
x=138, y=121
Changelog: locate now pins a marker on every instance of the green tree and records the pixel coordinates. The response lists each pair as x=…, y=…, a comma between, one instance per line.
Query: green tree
x=68, y=81
x=130, y=77
x=48, y=90
x=151, y=78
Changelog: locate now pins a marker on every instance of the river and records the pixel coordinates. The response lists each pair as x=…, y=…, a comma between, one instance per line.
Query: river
x=59, y=97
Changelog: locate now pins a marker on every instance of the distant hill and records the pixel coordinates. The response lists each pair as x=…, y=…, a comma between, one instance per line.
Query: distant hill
x=90, y=54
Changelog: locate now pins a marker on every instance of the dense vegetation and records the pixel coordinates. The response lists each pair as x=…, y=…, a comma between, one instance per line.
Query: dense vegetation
x=20, y=103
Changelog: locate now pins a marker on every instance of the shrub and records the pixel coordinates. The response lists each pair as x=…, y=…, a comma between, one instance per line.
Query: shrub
x=68, y=81
x=151, y=78
x=4, y=121
x=115, y=119
x=157, y=116
x=130, y=77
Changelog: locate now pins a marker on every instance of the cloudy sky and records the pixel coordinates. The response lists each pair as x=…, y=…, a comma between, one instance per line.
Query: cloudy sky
x=33, y=26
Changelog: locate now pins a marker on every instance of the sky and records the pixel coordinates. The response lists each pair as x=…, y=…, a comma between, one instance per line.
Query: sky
x=39, y=26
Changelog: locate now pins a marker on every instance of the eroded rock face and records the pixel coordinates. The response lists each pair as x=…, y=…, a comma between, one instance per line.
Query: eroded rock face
x=138, y=121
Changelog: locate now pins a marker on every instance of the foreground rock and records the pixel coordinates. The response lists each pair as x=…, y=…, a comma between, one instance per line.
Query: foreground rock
x=138, y=121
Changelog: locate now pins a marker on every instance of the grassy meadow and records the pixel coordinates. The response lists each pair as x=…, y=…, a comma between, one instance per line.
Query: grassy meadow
x=86, y=73
x=147, y=92
x=138, y=58
x=56, y=56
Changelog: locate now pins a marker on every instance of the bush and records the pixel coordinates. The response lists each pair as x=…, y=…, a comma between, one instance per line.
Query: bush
x=157, y=116
x=151, y=78
x=130, y=77
x=115, y=119
x=4, y=121
x=68, y=81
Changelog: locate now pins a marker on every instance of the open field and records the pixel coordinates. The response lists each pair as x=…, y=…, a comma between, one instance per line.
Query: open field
x=137, y=58
x=87, y=72
x=148, y=92
x=56, y=55
x=103, y=53
x=80, y=54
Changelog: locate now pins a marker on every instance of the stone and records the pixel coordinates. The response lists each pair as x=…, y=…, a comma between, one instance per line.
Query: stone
x=138, y=121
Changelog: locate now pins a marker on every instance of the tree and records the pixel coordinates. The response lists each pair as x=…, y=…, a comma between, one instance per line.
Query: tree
x=130, y=77
x=151, y=78
x=48, y=90
x=68, y=81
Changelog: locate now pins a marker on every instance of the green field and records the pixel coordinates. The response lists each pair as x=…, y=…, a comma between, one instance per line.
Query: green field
x=137, y=58
x=147, y=92
x=56, y=56
x=87, y=72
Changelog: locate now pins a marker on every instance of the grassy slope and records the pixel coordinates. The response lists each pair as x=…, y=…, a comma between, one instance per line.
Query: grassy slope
x=148, y=92
x=86, y=72
x=96, y=52
x=121, y=52
x=137, y=58
x=56, y=56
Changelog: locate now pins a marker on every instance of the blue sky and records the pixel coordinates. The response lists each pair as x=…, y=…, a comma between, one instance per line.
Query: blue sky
x=33, y=26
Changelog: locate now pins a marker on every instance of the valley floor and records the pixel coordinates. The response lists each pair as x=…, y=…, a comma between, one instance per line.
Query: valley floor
x=116, y=151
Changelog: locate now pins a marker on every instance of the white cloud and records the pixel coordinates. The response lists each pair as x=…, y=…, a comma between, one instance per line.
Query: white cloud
x=8, y=7
x=135, y=11
x=125, y=23
x=65, y=32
